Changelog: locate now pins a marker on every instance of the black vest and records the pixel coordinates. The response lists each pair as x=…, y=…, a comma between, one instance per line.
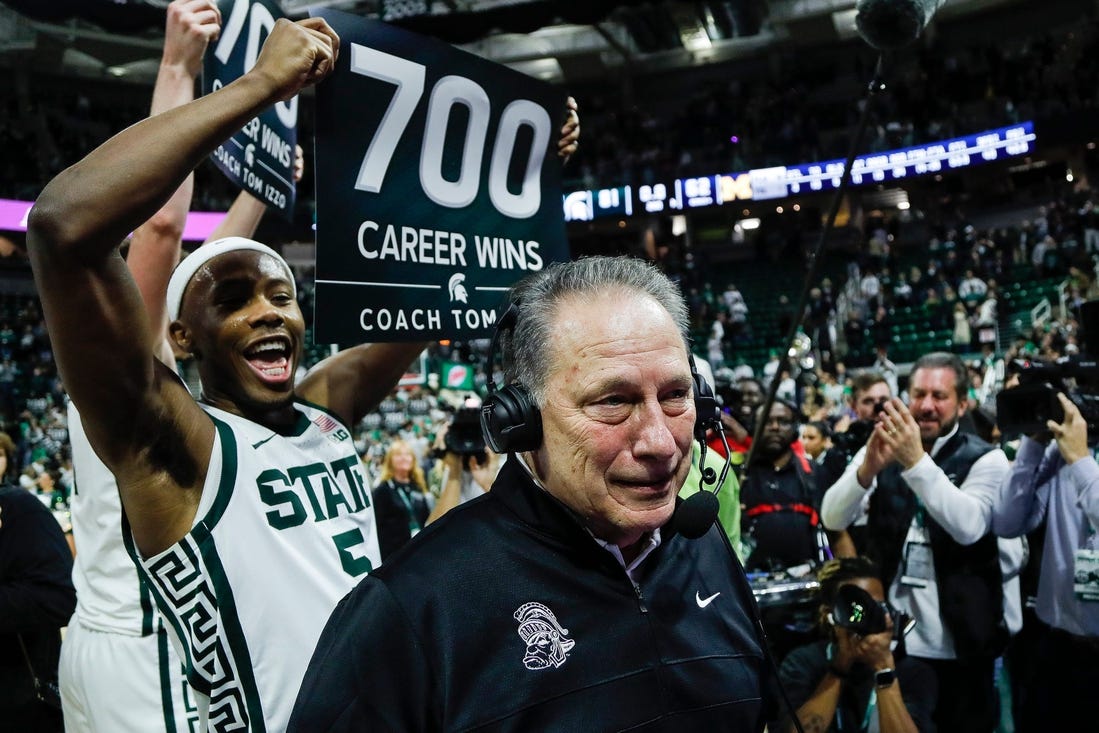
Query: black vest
x=968, y=578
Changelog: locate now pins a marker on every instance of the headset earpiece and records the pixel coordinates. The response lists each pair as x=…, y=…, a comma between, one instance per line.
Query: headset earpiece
x=707, y=409
x=510, y=421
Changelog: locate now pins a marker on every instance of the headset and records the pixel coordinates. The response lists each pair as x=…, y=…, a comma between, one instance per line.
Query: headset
x=512, y=423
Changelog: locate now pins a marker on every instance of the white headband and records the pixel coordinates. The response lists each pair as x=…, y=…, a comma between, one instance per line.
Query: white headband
x=190, y=264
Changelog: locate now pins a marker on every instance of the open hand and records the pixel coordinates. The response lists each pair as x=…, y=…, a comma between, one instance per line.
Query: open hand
x=901, y=432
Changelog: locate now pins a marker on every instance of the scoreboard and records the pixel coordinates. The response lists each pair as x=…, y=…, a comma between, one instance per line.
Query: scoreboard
x=763, y=184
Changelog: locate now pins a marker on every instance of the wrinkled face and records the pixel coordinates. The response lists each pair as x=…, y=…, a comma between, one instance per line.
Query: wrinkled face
x=618, y=414
x=812, y=440
x=240, y=320
x=933, y=402
x=866, y=400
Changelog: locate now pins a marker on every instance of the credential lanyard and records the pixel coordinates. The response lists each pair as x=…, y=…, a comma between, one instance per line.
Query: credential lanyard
x=403, y=492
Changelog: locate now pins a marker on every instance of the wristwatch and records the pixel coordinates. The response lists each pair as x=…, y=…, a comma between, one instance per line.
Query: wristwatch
x=884, y=678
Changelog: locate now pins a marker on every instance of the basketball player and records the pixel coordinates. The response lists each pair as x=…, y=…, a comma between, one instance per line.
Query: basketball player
x=118, y=672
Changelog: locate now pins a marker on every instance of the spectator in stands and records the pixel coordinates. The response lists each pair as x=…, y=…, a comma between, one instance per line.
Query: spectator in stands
x=781, y=497
x=834, y=393
x=576, y=525
x=931, y=490
x=902, y=291
x=870, y=290
x=1057, y=482
x=848, y=681
x=854, y=336
x=963, y=333
x=715, y=344
x=884, y=366
x=972, y=289
x=1089, y=216
x=402, y=503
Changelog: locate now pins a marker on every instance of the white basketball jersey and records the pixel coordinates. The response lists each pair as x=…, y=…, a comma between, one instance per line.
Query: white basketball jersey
x=109, y=595
x=284, y=530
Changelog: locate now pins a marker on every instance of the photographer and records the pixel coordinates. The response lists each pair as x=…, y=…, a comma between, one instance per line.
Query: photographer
x=869, y=393
x=853, y=675
x=468, y=466
x=1058, y=481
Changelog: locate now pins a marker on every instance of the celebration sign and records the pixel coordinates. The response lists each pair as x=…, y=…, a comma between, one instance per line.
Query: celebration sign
x=260, y=158
x=438, y=186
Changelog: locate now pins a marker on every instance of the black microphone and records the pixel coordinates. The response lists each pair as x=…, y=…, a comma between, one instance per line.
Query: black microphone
x=696, y=514
x=890, y=24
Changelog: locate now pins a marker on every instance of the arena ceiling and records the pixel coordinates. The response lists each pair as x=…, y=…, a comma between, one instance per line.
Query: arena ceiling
x=555, y=40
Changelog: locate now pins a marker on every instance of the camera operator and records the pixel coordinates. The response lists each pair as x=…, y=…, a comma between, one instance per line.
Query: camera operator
x=469, y=467
x=869, y=393
x=1056, y=479
x=854, y=674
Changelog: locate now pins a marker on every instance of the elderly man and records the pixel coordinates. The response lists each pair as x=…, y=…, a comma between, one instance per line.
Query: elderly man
x=933, y=489
x=563, y=599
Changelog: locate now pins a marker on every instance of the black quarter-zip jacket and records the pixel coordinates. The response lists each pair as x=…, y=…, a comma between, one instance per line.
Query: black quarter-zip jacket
x=506, y=615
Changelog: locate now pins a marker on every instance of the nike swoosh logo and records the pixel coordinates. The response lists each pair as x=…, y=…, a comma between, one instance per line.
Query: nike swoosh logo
x=257, y=445
x=703, y=602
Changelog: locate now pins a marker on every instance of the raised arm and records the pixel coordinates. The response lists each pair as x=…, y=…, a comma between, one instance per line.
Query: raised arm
x=141, y=421
x=354, y=381
x=1024, y=492
x=154, y=248
x=247, y=211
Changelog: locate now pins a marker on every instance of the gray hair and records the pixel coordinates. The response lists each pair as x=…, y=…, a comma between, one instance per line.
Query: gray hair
x=525, y=349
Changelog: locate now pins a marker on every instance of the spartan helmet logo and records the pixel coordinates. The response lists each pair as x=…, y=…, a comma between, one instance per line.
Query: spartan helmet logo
x=457, y=290
x=547, y=642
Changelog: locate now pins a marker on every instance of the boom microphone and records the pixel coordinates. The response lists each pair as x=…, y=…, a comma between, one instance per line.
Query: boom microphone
x=890, y=24
x=696, y=514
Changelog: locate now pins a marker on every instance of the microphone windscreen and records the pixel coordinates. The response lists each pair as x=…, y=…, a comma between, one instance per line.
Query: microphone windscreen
x=890, y=24
x=695, y=514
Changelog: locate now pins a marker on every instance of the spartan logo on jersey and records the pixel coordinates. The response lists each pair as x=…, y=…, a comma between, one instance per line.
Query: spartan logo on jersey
x=330, y=428
x=547, y=641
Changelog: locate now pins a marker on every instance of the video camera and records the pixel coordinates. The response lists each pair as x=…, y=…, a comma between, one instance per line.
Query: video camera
x=856, y=610
x=1027, y=407
x=858, y=432
x=464, y=436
